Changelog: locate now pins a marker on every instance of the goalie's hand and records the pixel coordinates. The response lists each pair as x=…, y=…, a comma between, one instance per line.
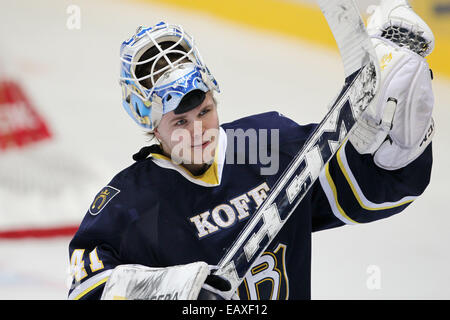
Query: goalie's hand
x=216, y=288
x=397, y=126
x=183, y=282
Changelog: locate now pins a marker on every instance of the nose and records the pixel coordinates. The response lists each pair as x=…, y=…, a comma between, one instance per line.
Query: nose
x=197, y=132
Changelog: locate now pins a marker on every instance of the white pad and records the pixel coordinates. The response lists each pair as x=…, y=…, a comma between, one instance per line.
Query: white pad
x=391, y=156
x=137, y=282
x=402, y=110
x=403, y=107
x=398, y=13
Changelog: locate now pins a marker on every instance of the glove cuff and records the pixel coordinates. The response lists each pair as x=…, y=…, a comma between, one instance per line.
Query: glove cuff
x=391, y=156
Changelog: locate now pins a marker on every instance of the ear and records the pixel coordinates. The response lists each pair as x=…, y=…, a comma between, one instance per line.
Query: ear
x=156, y=133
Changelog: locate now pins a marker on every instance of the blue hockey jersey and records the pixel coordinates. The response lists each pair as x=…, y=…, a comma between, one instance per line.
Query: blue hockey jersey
x=157, y=214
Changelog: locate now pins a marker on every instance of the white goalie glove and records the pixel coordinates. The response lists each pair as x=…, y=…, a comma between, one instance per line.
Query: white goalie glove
x=397, y=126
x=193, y=281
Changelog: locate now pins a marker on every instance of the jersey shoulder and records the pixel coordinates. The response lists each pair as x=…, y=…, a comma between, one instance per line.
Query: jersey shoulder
x=266, y=120
x=118, y=202
x=269, y=121
x=272, y=124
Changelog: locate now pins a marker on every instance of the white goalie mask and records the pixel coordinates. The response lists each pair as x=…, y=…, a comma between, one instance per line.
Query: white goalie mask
x=147, y=97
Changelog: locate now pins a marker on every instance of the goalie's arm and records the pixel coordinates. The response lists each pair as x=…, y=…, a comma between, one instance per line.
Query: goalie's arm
x=105, y=234
x=90, y=268
x=106, y=243
x=352, y=189
x=99, y=274
x=386, y=162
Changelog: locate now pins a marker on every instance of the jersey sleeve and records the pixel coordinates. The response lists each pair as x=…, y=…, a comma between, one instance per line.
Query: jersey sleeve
x=91, y=266
x=352, y=189
x=97, y=247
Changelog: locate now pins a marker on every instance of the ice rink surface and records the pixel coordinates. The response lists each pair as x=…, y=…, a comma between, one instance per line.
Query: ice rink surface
x=72, y=77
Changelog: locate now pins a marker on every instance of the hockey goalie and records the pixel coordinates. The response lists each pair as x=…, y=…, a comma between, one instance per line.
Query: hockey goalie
x=161, y=226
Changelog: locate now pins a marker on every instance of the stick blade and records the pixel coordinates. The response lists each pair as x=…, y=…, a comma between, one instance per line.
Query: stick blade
x=349, y=32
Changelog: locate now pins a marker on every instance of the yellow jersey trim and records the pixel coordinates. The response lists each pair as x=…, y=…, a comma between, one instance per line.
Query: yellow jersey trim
x=210, y=176
x=355, y=192
x=78, y=297
x=334, y=190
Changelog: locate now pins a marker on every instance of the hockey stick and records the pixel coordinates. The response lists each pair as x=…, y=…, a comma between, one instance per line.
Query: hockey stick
x=361, y=85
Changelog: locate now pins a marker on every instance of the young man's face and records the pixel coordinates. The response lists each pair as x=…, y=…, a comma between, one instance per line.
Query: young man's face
x=191, y=137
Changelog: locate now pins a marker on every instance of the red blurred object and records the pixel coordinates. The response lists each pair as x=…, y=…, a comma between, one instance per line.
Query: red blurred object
x=64, y=231
x=20, y=123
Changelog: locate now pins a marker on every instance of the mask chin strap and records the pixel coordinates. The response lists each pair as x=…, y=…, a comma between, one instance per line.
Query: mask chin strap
x=156, y=111
x=208, y=81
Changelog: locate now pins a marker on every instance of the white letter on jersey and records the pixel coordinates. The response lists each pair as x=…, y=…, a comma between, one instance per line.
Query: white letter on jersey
x=204, y=227
x=259, y=194
x=240, y=203
x=229, y=212
x=264, y=270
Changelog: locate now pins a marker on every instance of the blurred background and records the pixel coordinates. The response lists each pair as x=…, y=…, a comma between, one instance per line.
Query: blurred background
x=64, y=134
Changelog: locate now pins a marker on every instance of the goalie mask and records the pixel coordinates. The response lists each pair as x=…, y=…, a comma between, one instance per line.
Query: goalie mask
x=160, y=66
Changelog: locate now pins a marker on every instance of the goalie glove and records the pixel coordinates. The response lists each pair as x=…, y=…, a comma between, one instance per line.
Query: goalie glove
x=397, y=126
x=183, y=282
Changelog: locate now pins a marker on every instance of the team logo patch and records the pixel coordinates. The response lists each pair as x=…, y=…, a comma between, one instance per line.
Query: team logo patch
x=102, y=199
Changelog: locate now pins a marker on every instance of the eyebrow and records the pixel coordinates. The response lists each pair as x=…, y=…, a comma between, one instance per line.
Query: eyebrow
x=181, y=116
